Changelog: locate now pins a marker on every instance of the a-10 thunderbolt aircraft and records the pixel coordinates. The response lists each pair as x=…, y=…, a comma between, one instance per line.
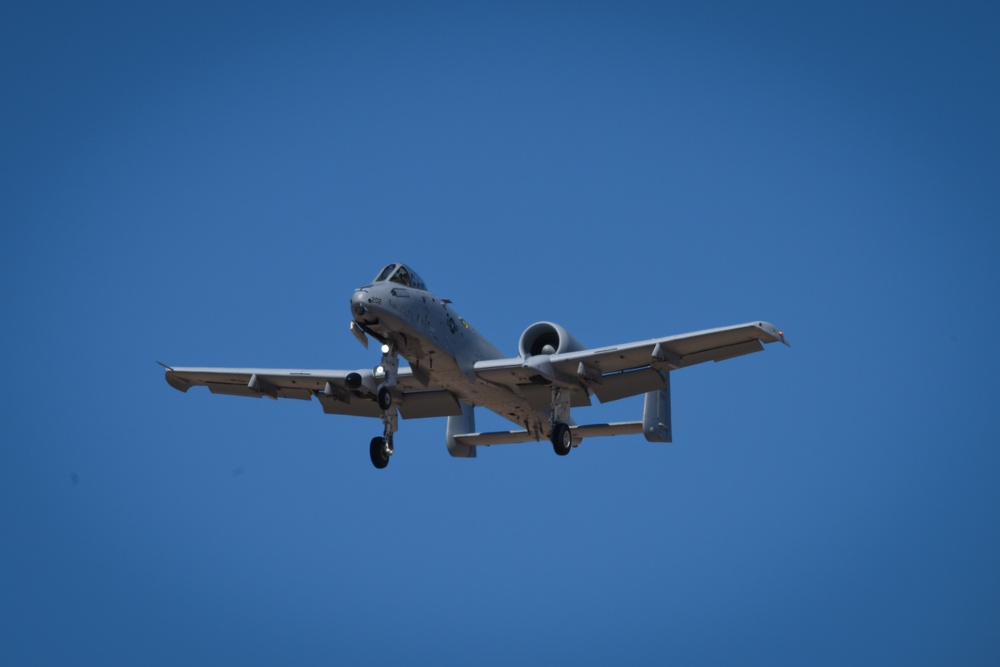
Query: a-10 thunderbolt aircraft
x=453, y=368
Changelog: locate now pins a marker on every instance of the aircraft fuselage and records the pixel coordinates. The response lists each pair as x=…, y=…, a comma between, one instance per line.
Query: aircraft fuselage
x=436, y=341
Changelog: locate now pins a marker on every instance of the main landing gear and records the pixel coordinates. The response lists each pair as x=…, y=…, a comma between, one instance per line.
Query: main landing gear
x=562, y=439
x=381, y=448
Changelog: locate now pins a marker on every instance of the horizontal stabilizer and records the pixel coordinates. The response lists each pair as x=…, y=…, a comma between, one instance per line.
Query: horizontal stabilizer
x=514, y=437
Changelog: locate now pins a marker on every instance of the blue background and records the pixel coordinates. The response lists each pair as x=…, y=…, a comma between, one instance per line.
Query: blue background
x=206, y=185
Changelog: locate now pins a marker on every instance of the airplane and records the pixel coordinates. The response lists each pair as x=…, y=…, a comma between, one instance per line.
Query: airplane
x=453, y=368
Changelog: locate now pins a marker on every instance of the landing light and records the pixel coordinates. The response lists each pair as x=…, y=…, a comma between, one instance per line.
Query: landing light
x=385, y=349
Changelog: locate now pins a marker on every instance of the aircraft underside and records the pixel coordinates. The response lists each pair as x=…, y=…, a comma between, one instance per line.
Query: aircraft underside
x=551, y=423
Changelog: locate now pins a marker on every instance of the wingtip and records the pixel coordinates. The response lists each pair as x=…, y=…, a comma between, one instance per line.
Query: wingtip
x=777, y=334
x=176, y=382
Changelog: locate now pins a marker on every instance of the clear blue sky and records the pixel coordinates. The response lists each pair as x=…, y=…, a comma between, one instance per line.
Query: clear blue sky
x=206, y=185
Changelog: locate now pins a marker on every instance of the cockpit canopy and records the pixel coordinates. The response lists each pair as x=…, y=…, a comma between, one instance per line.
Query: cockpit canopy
x=402, y=274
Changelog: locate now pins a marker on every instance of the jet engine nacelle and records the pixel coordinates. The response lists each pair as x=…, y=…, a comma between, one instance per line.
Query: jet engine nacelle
x=546, y=338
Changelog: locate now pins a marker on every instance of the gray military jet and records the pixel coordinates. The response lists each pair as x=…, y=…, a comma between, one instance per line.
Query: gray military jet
x=453, y=368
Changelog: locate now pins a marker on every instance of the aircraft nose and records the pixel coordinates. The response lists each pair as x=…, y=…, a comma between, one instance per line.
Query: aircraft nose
x=359, y=305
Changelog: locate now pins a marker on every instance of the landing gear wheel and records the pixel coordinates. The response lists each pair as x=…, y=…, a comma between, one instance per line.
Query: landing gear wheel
x=562, y=439
x=384, y=398
x=379, y=453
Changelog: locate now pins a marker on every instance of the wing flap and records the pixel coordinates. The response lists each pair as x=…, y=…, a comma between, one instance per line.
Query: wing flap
x=436, y=403
x=353, y=406
x=722, y=353
x=227, y=389
x=628, y=383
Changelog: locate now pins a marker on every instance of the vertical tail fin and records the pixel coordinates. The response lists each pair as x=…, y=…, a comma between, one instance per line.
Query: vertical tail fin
x=458, y=424
x=656, y=413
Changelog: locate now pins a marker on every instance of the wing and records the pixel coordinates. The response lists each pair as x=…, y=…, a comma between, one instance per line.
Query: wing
x=335, y=391
x=633, y=368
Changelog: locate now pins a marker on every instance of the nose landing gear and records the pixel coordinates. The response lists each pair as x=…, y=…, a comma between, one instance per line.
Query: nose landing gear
x=381, y=448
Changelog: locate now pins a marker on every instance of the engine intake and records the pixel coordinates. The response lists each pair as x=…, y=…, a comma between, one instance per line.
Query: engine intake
x=546, y=338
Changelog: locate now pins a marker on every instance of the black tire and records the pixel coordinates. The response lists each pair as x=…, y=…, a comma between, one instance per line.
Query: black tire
x=562, y=439
x=380, y=458
x=384, y=398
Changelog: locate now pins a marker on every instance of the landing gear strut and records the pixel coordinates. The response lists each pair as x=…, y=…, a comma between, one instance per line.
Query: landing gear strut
x=381, y=448
x=389, y=369
x=562, y=438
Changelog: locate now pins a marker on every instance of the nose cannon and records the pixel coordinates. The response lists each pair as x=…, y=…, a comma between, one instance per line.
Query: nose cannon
x=359, y=305
x=369, y=310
